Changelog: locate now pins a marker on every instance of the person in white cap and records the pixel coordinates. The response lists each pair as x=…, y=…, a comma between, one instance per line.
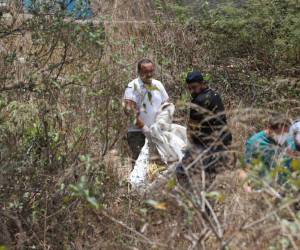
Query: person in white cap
x=294, y=141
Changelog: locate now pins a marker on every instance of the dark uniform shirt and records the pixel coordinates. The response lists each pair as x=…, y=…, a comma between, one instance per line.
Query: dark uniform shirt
x=207, y=124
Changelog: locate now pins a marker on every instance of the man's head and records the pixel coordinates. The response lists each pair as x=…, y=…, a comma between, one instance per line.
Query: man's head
x=278, y=127
x=195, y=83
x=146, y=70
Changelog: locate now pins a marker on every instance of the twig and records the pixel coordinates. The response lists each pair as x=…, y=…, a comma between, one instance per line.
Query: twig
x=45, y=221
x=245, y=226
x=147, y=240
x=219, y=229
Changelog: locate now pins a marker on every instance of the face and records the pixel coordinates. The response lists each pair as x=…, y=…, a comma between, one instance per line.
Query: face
x=195, y=88
x=282, y=130
x=147, y=72
x=281, y=134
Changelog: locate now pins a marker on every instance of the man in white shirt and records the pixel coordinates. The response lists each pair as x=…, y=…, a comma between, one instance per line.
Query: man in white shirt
x=142, y=100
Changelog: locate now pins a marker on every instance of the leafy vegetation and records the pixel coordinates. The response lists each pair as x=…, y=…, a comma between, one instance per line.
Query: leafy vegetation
x=265, y=32
x=62, y=149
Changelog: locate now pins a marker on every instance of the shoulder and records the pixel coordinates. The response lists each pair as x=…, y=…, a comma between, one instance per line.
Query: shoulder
x=260, y=140
x=133, y=84
x=214, y=95
x=257, y=137
x=158, y=84
x=204, y=99
x=132, y=91
x=215, y=101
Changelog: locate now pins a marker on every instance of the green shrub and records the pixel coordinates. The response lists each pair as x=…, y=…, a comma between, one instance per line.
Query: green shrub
x=265, y=31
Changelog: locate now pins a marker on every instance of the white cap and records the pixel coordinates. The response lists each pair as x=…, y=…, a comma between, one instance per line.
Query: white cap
x=295, y=128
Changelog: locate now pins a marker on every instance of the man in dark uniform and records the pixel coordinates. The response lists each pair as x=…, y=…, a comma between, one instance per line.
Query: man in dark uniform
x=207, y=130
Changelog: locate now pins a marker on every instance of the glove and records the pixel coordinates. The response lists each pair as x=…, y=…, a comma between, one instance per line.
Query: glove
x=146, y=131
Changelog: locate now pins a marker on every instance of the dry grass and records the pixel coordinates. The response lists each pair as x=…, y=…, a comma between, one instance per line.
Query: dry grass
x=125, y=221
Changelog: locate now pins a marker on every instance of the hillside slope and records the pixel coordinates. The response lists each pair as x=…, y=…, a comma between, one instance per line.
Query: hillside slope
x=63, y=151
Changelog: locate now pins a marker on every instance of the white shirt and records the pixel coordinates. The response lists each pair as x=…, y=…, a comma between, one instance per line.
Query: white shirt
x=148, y=101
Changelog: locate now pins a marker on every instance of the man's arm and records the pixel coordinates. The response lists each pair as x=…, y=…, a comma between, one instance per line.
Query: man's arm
x=130, y=109
x=219, y=121
x=164, y=94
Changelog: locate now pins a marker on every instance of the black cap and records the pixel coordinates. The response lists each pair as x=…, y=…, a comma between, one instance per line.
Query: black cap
x=194, y=76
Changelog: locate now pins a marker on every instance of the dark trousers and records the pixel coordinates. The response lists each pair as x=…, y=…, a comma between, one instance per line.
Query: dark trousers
x=210, y=160
x=136, y=140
